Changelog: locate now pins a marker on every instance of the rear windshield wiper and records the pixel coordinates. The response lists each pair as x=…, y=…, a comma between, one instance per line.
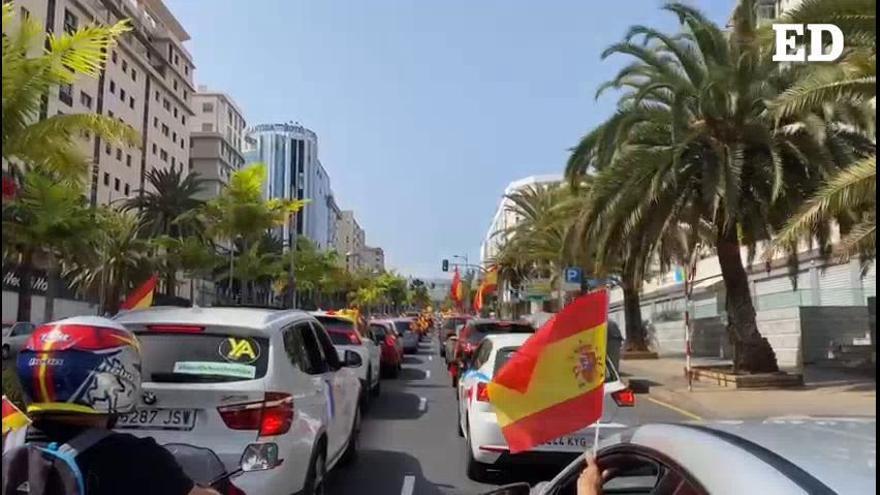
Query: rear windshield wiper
x=189, y=378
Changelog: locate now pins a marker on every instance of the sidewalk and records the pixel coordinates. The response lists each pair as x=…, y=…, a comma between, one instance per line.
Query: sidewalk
x=826, y=392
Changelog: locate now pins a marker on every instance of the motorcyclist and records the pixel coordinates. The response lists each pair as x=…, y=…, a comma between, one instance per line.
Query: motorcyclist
x=79, y=374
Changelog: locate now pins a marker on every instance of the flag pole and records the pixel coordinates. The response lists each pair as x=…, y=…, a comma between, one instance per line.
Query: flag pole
x=596, y=438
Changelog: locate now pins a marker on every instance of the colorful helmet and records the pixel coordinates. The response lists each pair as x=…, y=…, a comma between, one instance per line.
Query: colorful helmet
x=87, y=365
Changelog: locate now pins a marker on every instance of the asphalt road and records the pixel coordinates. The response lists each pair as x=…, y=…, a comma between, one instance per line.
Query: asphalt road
x=409, y=443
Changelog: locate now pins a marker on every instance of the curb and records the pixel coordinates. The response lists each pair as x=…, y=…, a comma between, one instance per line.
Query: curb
x=681, y=401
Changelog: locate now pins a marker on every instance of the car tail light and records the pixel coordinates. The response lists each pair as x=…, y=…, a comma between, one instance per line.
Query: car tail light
x=271, y=416
x=354, y=338
x=176, y=328
x=624, y=398
x=389, y=341
x=482, y=392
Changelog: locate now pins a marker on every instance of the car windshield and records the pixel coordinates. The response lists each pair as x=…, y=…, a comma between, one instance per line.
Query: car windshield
x=403, y=326
x=188, y=358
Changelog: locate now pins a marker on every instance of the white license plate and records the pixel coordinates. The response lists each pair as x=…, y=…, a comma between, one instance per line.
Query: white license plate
x=158, y=419
x=568, y=442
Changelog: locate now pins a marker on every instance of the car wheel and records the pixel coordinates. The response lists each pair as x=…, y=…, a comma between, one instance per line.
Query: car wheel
x=5, y=352
x=317, y=473
x=351, y=451
x=365, y=395
x=476, y=470
x=377, y=388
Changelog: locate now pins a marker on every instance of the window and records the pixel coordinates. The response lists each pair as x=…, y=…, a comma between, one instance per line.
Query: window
x=183, y=119
x=155, y=121
x=174, y=84
x=173, y=162
x=119, y=154
x=127, y=189
x=163, y=155
x=154, y=148
x=207, y=107
x=157, y=96
x=181, y=143
x=127, y=162
x=229, y=115
x=303, y=349
x=186, y=69
x=207, y=127
x=161, y=352
x=331, y=356
x=124, y=66
x=70, y=22
x=106, y=179
x=110, y=113
x=131, y=102
x=164, y=130
x=65, y=94
x=113, y=56
x=107, y=148
x=175, y=112
x=24, y=13
x=121, y=94
x=176, y=59
x=134, y=75
x=116, y=183
x=174, y=137
x=112, y=86
x=85, y=99
x=185, y=94
x=166, y=104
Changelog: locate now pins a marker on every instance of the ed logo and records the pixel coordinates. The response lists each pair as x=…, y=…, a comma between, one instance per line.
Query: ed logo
x=787, y=40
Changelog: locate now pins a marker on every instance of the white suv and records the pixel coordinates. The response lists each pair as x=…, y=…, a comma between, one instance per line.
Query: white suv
x=223, y=378
x=486, y=447
x=345, y=337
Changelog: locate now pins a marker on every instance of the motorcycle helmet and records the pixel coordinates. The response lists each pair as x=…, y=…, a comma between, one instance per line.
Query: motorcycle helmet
x=83, y=365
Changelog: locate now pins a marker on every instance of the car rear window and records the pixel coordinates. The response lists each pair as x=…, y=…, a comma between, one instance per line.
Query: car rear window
x=340, y=325
x=479, y=331
x=187, y=358
x=451, y=323
x=403, y=326
x=378, y=331
x=505, y=353
x=341, y=338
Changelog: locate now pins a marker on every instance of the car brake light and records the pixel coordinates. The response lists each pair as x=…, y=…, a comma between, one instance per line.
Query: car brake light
x=482, y=392
x=271, y=416
x=389, y=341
x=354, y=338
x=624, y=398
x=176, y=328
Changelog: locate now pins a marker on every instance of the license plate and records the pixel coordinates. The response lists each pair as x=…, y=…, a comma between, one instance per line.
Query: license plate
x=573, y=441
x=158, y=419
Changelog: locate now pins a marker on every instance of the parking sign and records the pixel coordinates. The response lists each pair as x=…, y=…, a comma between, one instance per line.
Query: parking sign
x=573, y=276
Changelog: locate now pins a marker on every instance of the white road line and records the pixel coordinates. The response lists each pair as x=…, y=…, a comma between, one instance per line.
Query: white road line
x=409, y=483
x=430, y=358
x=427, y=374
x=423, y=404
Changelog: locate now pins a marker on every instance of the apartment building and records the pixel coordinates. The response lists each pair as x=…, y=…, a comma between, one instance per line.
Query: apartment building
x=350, y=240
x=372, y=259
x=217, y=134
x=147, y=83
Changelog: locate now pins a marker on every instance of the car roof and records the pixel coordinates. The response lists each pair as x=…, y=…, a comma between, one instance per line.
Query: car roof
x=259, y=319
x=838, y=452
x=501, y=340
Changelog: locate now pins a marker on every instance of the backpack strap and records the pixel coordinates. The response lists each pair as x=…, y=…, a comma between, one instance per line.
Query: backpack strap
x=68, y=452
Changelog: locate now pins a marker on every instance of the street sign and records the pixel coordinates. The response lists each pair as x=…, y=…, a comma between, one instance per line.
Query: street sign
x=573, y=276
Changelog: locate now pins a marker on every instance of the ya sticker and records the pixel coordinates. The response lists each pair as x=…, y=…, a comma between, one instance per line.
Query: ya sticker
x=244, y=351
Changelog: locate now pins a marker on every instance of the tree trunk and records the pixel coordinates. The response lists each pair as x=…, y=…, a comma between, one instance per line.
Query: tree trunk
x=25, y=286
x=752, y=352
x=632, y=311
x=51, y=289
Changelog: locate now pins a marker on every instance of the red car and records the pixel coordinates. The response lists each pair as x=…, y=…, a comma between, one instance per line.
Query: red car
x=473, y=334
x=391, y=354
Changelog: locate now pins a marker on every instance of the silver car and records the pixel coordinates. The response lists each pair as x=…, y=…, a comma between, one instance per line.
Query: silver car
x=404, y=327
x=14, y=337
x=791, y=455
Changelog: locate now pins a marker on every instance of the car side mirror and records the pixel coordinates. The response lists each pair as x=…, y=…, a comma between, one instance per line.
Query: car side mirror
x=513, y=489
x=259, y=457
x=352, y=359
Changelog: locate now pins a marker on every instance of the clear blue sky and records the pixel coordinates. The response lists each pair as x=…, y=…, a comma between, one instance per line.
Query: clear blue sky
x=424, y=109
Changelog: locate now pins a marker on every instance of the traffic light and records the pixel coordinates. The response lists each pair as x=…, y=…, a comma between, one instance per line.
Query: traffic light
x=445, y=265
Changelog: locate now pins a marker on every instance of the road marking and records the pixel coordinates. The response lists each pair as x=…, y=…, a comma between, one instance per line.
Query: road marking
x=676, y=409
x=423, y=404
x=430, y=358
x=409, y=483
x=427, y=374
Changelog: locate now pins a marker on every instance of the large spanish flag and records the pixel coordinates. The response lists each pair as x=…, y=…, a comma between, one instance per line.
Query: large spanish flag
x=142, y=297
x=487, y=286
x=554, y=384
x=456, y=289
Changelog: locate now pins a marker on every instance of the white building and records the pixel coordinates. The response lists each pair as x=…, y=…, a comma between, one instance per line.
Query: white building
x=217, y=137
x=290, y=152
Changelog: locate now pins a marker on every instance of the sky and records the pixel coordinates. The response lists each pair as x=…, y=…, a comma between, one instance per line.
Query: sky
x=425, y=109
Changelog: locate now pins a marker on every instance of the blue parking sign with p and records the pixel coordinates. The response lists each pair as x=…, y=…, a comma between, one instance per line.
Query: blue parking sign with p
x=573, y=275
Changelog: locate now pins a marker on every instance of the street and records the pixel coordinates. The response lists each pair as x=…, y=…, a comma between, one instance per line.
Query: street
x=409, y=442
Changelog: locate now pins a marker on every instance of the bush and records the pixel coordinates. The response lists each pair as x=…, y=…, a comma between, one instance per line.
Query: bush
x=11, y=387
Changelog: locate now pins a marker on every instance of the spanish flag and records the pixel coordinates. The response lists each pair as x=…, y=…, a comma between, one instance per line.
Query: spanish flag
x=554, y=384
x=142, y=297
x=455, y=289
x=13, y=418
x=487, y=286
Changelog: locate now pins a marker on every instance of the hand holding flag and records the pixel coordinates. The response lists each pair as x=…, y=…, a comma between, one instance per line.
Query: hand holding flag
x=554, y=384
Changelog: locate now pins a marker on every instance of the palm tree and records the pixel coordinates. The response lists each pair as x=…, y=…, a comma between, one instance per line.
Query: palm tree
x=165, y=207
x=119, y=261
x=46, y=221
x=695, y=123
x=52, y=143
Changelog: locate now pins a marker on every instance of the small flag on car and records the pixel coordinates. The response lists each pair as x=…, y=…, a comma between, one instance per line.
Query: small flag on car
x=142, y=297
x=554, y=384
